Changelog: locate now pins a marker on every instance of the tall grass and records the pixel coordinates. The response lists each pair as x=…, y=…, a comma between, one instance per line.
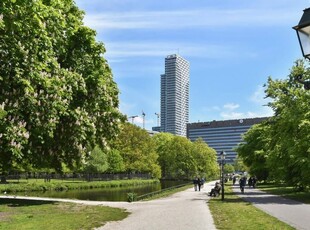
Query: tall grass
x=59, y=185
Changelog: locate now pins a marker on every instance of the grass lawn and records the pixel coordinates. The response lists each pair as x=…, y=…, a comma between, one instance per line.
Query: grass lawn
x=286, y=191
x=28, y=214
x=234, y=213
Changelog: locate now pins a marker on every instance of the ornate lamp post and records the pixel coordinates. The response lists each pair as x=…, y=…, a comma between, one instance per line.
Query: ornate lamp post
x=222, y=154
x=303, y=34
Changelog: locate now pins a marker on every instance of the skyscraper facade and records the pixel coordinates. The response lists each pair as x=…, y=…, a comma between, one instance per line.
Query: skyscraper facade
x=174, y=96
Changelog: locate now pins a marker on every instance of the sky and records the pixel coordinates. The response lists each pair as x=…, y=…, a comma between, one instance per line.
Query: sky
x=233, y=46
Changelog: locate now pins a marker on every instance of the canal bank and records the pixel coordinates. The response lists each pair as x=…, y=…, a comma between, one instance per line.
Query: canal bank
x=181, y=211
x=95, y=191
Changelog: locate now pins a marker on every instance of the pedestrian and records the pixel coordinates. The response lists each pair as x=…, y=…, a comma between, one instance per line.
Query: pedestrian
x=202, y=182
x=199, y=183
x=242, y=183
x=254, y=180
x=234, y=180
x=195, y=182
x=250, y=182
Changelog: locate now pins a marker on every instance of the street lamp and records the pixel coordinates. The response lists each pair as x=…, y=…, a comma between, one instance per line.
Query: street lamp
x=222, y=155
x=303, y=34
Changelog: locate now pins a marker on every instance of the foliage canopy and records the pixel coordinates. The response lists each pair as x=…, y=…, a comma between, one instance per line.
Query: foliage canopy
x=56, y=89
x=280, y=148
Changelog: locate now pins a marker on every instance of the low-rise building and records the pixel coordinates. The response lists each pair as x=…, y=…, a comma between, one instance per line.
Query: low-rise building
x=223, y=135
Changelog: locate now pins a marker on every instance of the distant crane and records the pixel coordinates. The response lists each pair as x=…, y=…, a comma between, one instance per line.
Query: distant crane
x=132, y=118
x=158, y=115
x=143, y=117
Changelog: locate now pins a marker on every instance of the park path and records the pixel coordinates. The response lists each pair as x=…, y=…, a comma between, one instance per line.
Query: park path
x=294, y=213
x=181, y=211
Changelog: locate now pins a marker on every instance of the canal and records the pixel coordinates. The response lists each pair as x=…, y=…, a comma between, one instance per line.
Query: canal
x=105, y=194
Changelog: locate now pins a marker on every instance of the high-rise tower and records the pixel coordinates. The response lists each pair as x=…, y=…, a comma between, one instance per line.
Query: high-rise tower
x=174, y=95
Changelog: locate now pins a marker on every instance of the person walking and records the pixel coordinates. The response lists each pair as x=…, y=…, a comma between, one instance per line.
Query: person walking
x=254, y=181
x=199, y=184
x=242, y=183
x=195, y=182
x=250, y=182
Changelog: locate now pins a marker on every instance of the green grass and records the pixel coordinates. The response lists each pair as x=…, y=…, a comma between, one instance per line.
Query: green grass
x=40, y=185
x=286, y=191
x=27, y=214
x=234, y=213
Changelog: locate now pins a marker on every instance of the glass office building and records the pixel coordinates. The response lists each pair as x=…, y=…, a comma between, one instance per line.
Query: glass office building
x=222, y=135
x=174, y=96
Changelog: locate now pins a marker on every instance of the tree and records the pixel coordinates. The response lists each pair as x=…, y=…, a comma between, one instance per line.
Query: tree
x=165, y=159
x=290, y=147
x=254, y=152
x=205, y=158
x=97, y=161
x=229, y=168
x=183, y=165
x=115, y=161
x=56, y=88
x=175, y=156
x=239, y=165
x=137, y=150
x=280, y=146
x=180, y=158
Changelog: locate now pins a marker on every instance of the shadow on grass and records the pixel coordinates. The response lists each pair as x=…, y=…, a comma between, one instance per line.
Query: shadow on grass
x=20, y=202
x=228, y=200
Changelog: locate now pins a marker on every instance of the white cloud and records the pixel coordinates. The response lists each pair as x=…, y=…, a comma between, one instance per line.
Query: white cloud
x=258, y=96
x=216, y=108
x=125, y=108
x=142, y=48
x=176, y=19
x=231, y=115
x=238, y=115
x=231, y=106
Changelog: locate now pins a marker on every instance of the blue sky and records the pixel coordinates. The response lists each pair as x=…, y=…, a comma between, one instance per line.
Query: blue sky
x=232, y=47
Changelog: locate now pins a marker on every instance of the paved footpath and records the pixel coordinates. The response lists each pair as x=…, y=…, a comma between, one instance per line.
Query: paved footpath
x=182, y=211
x=291, y=212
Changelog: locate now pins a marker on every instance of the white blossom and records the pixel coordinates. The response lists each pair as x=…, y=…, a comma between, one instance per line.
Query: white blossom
x=26, y=135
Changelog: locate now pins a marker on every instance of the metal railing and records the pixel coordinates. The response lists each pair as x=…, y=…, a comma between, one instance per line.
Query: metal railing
x=161, y=191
